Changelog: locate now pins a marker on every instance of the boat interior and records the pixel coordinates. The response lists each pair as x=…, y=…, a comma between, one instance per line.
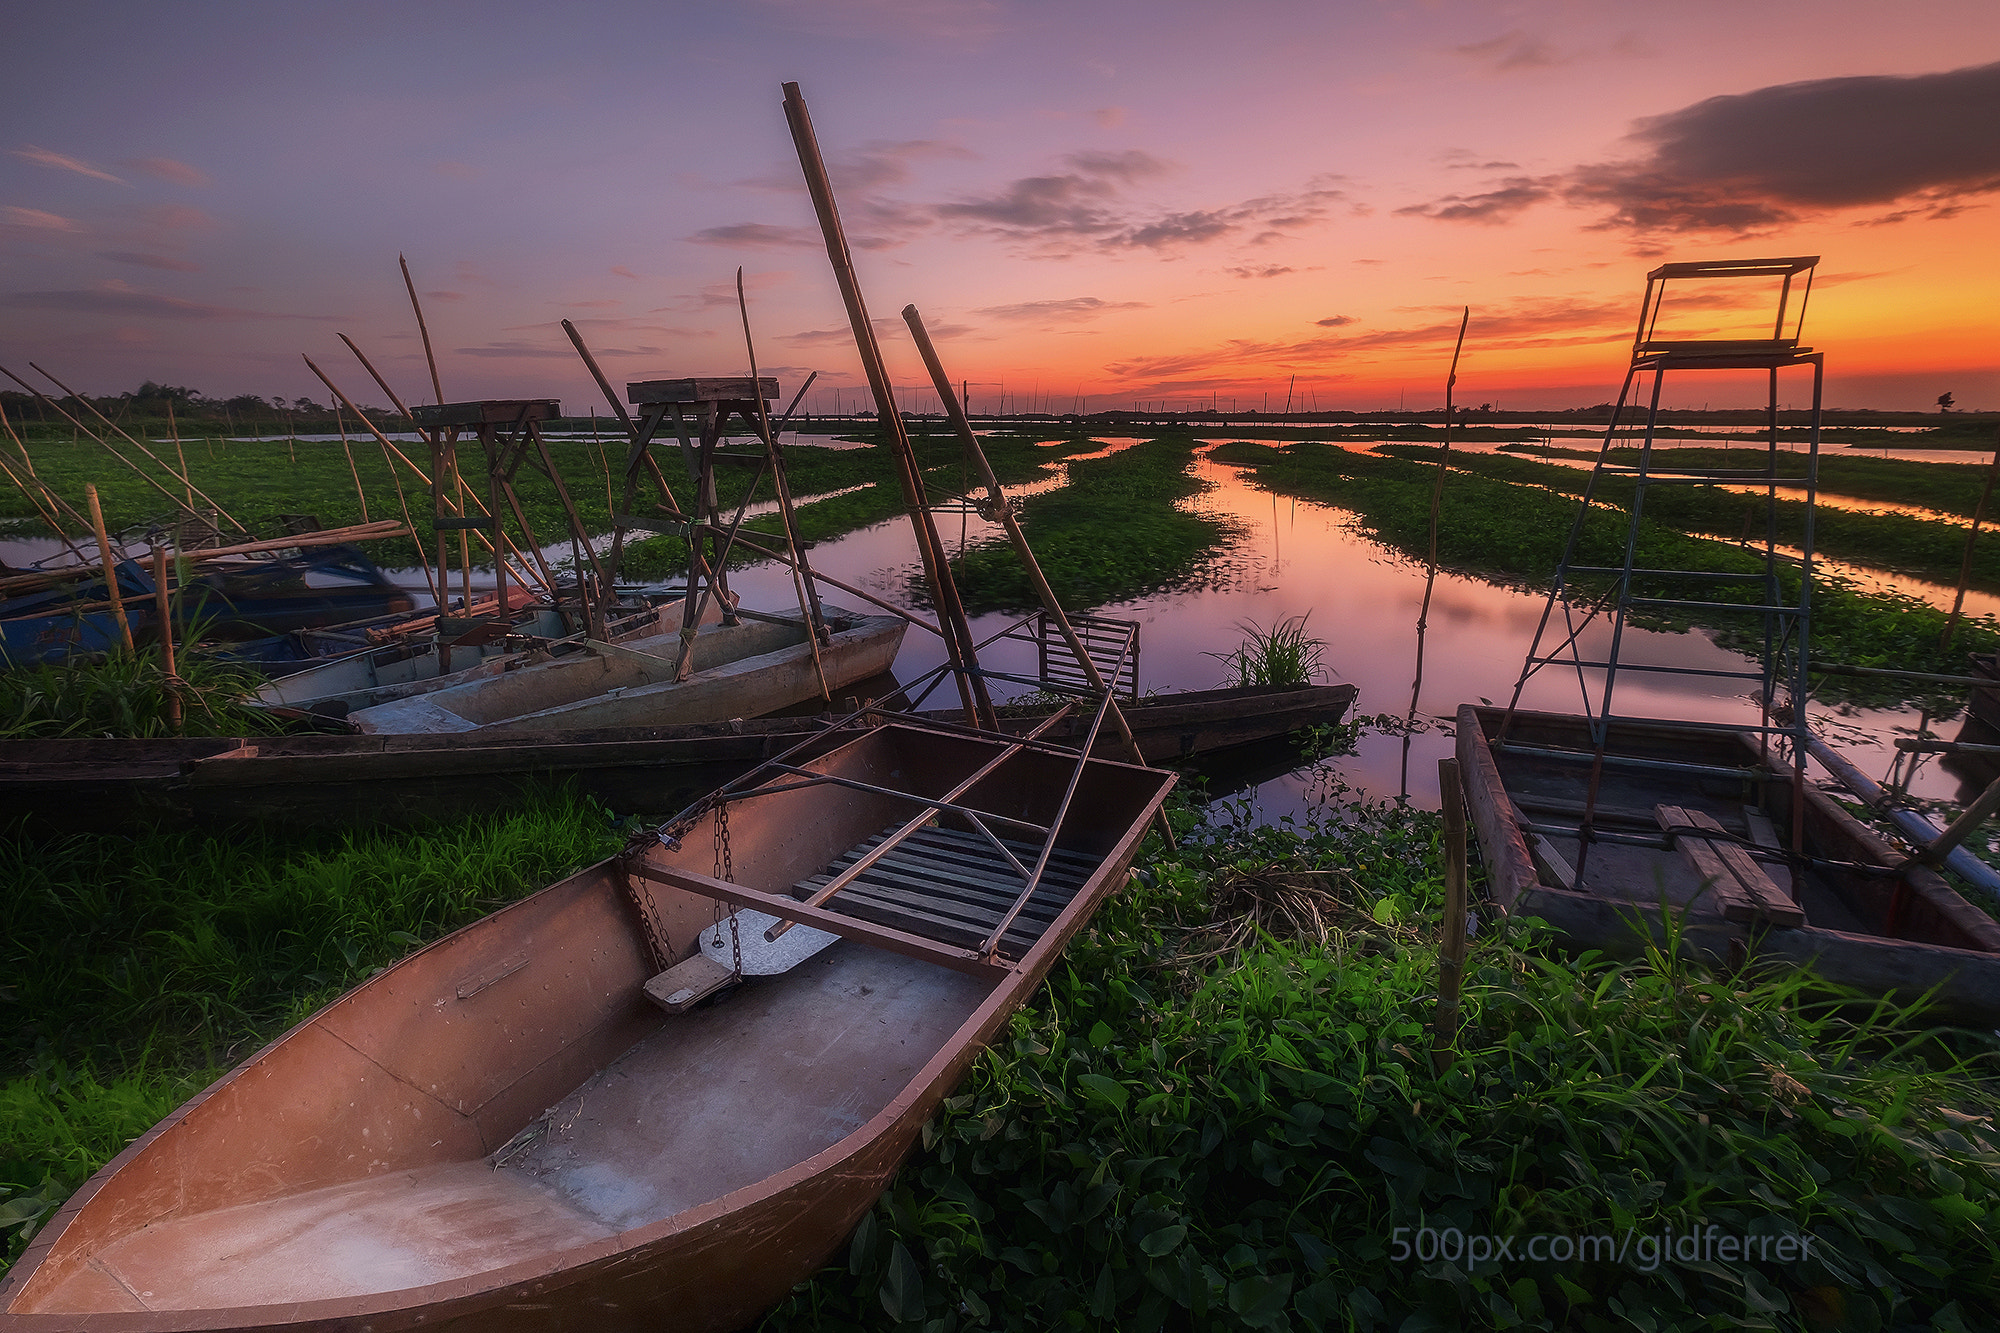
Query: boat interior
x=510, y=1094
x=1707, y=841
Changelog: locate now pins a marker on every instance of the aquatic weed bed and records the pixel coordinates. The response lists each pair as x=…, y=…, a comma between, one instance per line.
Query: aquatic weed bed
x=1222, y=1113
x=1513, y=532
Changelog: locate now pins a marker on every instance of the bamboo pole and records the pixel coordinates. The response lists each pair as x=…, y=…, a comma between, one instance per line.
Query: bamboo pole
x=1965, y=566
x=816, y=635
x=164, y=609
x=1451, y=957
x=174, y=430
x=430, y=358
x=136, y=443
x=1431, y=565
x=951, y=612
x=340, y=424
x=955, y=413
x=110, y=566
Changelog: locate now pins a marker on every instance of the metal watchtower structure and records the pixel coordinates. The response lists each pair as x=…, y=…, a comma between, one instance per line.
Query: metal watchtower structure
x=1755, y=593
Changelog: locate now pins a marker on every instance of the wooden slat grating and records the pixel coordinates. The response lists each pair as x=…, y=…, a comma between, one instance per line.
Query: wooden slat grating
x=952, y=886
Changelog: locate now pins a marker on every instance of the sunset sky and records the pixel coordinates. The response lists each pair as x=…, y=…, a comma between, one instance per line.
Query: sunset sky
x=1094, y=204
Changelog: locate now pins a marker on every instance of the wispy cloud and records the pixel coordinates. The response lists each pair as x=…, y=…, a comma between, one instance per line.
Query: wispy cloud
x=35, y=219
x=43, y=157
x=1335, y=321
x=117, y=299
x=1066, y=310
x=754, y=236
x=150, y=261
x=167, y=169
x=1503, y=203
x=1260, y=270
x=1513, y=50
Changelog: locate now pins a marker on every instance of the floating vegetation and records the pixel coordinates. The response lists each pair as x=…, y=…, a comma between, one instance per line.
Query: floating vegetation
x=1513, y=533
x=1116, y=531
x=1221, y=1113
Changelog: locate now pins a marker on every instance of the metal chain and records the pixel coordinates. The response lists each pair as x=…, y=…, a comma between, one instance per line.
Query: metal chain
x=725, y=870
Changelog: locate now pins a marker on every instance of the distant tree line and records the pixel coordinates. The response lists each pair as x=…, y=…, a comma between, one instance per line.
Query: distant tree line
x=152, y=404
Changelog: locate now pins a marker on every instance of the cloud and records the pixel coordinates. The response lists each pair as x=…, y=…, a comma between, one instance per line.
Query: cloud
x=42, y=157
x=515, y=347
x=886, y=329
x=1921, y=146
x=167, y=169
x=1513, y=50
x=36, y=219
x=621, y=271
x=1260, y=271
x=446, y=296
x=123, y=301
x=177, y=217
x=150, y=261
x=1085, y=206
x=1110, y=117
x=1503, y=203
x=1335, y=321
x=1068, y=310
x=754, y=236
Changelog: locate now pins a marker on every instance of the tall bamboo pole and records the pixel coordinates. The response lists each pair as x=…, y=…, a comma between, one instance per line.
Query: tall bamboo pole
x=430, y=358
x=164, y=610
x=1451, y=957
x=180, y=454
x=340, y=424
x=1965, y=566
x=1431, y=565
x=110, y=567
x=951, y=611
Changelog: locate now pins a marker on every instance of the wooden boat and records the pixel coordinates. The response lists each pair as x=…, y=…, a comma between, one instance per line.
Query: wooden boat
x=759, y=665
x=78, y=784
x=503, y=1133
x=1710, y=845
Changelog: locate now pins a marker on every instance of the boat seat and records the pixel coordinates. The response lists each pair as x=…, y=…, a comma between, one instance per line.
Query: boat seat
x=1743, y=892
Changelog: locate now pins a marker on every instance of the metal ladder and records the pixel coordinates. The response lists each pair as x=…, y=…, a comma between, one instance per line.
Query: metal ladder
x=1695, y=594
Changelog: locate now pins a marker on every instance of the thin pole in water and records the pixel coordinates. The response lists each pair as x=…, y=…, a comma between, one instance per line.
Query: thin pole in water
x=1431, y=566
x=110, y=566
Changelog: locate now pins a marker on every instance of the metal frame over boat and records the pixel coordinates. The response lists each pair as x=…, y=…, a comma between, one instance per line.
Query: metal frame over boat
x=503, y=1132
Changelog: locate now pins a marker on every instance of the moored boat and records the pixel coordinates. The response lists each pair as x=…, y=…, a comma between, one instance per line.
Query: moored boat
x=503, y=1132
x=1693, y=847
x=92, y=783
x=756, y=666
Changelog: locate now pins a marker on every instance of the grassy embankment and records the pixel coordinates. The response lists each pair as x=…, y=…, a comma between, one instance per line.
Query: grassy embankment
x=1215, y=1115
x=1114, y=532
x=1514, y=533
x=254, y=480
x=126, y=694
x=138, y=969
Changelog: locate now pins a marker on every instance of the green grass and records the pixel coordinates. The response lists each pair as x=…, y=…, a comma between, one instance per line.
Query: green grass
x=1116, y=531
x=1513, y=533
x=126, y=694
x=138, y=969
x=1284, y=654
x=1221, y=1108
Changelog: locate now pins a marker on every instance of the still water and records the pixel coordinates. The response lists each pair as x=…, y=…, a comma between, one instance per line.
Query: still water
x=1295, y=558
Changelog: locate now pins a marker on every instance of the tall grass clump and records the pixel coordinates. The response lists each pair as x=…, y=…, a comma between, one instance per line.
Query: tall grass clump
x=126, y=694
x=1281, y=655
x=1221, y=1112
x=138, y=969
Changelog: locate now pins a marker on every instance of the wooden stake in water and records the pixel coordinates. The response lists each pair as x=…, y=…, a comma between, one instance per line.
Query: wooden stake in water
x=1965, y=566
x=110, y=566
x=164, y=609
x=1431, y=566
x=1451, y=954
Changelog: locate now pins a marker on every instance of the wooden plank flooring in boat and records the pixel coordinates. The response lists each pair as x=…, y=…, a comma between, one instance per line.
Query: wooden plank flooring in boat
x=954, y=886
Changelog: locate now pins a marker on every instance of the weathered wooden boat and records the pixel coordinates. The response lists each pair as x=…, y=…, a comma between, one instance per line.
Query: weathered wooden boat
x=73, y=619
x=756, y=666
x=503, y=1132
x=329, y=585
x=1700, y=853
x=81, y=783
